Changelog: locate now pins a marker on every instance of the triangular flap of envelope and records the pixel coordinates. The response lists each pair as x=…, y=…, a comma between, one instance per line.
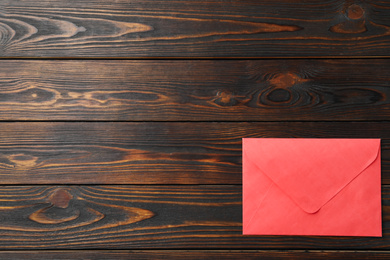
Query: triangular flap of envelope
x=311, y=171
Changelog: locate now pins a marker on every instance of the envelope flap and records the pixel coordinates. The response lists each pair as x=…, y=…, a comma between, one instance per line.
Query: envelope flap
x=311, y=171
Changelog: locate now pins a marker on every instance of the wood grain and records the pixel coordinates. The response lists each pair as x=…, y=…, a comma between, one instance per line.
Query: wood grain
x=147, y=217
x=151, y=153
x=192, y=254
x=152, y=92
x=178, y=90
x=190, y=28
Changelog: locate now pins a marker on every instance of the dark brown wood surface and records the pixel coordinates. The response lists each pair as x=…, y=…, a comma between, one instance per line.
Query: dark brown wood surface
x=153, y=97
x=147, y=217
x=193, y=254
x=194, y=90
x=189, y=28
x=153, y=152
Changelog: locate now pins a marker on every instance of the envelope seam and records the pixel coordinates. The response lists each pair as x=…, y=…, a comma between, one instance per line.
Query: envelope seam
x=365, y=168
x=371, y=161
x=258, y=206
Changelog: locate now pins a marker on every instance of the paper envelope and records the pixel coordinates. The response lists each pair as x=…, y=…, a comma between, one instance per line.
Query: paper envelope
x=295, y=186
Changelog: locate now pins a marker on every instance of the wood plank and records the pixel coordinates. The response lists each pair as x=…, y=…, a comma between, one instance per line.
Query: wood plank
x=147, y=217
x=190, y=28
x=151, y=153
x=192, y=254
x=178, y=90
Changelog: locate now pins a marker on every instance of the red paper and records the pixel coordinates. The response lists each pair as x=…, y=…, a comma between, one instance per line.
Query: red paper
x=328, y=187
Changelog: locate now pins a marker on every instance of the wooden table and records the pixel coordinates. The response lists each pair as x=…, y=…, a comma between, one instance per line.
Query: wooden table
x=121, y=120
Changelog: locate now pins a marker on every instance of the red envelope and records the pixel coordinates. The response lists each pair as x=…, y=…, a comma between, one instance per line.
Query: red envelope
x=322, y=187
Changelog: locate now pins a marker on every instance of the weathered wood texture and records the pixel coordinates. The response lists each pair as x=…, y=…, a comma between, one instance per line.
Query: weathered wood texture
x=151, y=153
x=190, y=28
x=192, y=254
x=141, y=217
x=148, y=221
x=193, y=90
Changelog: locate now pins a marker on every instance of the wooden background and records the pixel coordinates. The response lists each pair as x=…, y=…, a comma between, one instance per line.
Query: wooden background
x=121, y=120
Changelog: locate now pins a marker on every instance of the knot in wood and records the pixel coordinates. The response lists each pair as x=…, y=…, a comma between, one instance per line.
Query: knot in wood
x=355, y=12
x=285, y=80
x=60, y=198
x=23, y=161
x=279, y=95
x=225, y=98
